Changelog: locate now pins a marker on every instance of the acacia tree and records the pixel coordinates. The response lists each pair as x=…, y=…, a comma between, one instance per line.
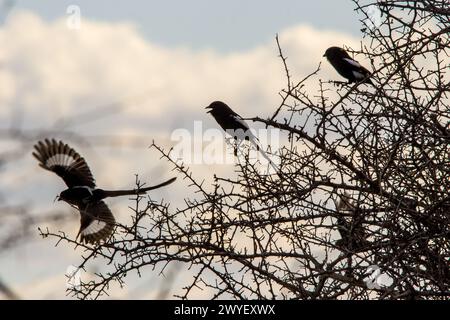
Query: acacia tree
x=363, y=184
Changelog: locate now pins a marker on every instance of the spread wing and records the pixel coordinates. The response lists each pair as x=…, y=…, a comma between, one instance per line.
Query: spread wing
x=97, y=223
x=65, y=162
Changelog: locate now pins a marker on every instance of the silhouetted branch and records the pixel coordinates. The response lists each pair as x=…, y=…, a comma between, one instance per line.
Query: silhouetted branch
x=362, y=208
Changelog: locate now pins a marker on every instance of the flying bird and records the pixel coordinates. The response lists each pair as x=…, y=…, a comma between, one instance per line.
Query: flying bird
x=347, y=67
x=233, y=124
x=97, y=221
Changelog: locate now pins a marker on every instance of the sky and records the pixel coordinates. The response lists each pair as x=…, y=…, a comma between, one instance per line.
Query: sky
x=201, y=24
x=139, y=70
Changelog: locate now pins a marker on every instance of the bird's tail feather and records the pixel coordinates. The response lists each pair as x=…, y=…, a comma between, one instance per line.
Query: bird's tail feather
x=117, y=193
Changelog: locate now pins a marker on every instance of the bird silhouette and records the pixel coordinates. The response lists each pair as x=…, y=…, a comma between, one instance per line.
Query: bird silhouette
x=97, y=222
x=347, y=67
x=236, y=126
x=351, y=229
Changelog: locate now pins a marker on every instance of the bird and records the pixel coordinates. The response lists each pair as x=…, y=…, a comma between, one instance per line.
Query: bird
x=353, y=235
x=97, y=221
x=231, y=122
x=235, y=125
x=347, y=67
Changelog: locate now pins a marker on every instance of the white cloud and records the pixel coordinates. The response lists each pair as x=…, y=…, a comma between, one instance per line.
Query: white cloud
x=50, y=70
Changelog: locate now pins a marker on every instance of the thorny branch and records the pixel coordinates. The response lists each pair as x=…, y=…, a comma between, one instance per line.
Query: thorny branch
x=372, y=179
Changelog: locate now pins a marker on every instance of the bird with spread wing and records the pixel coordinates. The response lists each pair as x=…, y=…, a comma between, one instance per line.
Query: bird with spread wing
x=97, y=221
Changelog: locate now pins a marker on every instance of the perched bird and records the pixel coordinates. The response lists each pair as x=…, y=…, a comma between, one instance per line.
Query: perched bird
x=353, y=235
x=233, y=124
x=346, y=66
x=97, y=221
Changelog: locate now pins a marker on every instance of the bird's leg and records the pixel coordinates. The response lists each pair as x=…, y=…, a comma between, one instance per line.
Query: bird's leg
x=236, y=144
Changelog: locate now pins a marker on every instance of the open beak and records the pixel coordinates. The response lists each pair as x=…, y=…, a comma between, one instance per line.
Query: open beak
x=57, y=198
x=210, y=109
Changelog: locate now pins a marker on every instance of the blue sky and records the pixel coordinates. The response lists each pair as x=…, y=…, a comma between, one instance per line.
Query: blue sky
x=223, y=25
